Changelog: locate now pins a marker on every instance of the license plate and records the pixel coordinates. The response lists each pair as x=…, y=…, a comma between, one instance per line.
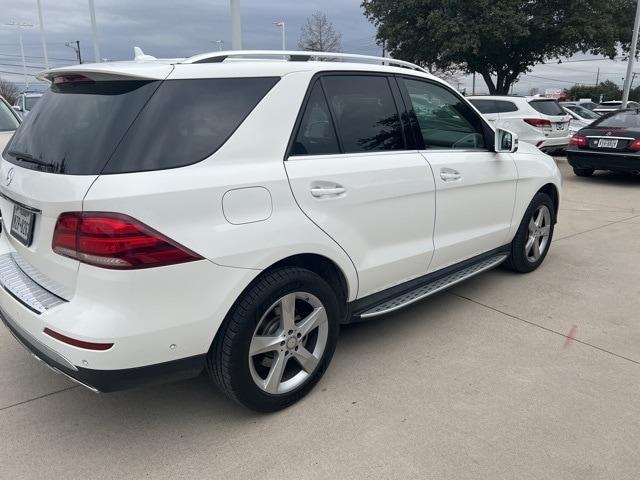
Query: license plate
x=561, y=126
x=22, y=225
x=607, y=143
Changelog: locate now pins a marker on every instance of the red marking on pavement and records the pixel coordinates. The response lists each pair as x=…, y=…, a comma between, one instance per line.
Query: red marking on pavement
x=570, y=336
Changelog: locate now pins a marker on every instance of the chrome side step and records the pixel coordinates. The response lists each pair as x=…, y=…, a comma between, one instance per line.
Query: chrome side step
x=428, y=289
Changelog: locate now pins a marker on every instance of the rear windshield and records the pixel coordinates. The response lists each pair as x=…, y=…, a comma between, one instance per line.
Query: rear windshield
x=583, y=112
x=619, y=119
x=547, y=107
x=8, y=121
x=132, y=126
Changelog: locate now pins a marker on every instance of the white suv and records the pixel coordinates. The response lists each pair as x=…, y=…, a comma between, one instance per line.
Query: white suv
x=165, y=217
x=539, y=121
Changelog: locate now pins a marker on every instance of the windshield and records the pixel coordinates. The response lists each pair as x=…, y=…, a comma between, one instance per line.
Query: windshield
x=30, y=102
x=8, y=121
x=619, y=119
x=547, y=107
x=583, y=112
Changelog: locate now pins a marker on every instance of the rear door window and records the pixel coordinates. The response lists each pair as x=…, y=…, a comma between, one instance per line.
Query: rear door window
x=445, y=120
x=547, y=107
x=494, y=106
x=621, y=119
x=316, y=134
x=365, y=112
x=8, y=121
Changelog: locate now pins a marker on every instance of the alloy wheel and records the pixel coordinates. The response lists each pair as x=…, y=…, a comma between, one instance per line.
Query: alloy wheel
x=539, y=230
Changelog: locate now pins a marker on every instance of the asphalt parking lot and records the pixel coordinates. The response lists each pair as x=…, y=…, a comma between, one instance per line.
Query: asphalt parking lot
x=481, y=381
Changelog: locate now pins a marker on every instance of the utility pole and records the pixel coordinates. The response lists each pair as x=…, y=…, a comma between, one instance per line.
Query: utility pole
x=94, y=31
x=598, y=77
x=76, y=48
x=19, y=26
x=632, y=57
x=284, y=40
x=44, y=41
x=236, y=26
x=220, y=44
x=473, y=88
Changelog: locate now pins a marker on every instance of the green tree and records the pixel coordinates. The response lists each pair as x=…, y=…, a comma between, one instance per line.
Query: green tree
x=608, y=90
x=499, y=39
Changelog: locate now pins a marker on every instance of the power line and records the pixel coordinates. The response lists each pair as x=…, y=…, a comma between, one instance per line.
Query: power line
x=36, y=56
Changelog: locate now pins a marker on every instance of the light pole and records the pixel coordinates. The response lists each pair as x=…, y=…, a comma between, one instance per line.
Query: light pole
x=220, y=44
x=94, y=31
x=44, y=41
x=284, y=38
x=19, y=26
x=236, y=26
x=632, y=56
x=75, y=45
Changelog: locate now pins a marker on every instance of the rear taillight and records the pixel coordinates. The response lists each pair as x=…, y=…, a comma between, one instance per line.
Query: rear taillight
x=579, y=140
x=538, y=122
x=635, y=145
x=113, y=240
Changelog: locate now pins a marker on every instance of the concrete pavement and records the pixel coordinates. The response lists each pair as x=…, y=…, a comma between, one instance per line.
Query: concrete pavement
x=477, y=382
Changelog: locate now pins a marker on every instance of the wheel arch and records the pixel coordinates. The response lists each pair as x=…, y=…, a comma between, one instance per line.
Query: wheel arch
x=551, y=190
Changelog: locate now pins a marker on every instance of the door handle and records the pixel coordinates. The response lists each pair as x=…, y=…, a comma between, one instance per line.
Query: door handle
x=450, y=175
x=320, y=192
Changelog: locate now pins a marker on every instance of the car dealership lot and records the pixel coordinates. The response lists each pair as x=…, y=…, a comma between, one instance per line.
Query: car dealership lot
x=477, y=382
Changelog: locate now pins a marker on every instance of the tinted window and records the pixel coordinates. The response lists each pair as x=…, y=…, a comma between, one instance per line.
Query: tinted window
x=444, y=119
x=494, y=106
x=583, y=112
x=316, y=135
x=77, y=125
x=8, y=121
x=547, y=107
x=365, y=112
x=30, y=102
x=186, y=121
x=620, y=119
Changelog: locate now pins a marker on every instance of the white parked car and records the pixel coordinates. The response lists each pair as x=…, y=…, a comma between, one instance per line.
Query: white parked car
x=613, y=105
x=9, y=122
x=198, y=213
x=580, y=116
x=539, y=121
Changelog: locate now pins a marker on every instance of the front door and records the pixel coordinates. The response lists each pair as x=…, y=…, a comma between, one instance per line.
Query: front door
x=475, y=186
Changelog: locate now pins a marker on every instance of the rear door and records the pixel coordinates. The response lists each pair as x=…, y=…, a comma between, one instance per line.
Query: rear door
x=475, y=186
x=353, y=173
x=54, y=158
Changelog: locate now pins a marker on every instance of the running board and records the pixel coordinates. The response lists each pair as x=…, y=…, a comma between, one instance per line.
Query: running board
x=435, y=286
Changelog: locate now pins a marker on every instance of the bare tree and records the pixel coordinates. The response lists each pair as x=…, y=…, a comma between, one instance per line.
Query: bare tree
x=9, y=91
x=318, y=35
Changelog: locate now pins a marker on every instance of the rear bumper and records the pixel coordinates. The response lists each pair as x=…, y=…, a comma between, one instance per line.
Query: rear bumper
x=553, y=143
x=604, y=161
x=105, y=380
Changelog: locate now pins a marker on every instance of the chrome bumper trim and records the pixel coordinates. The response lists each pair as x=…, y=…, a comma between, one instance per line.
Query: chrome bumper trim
x=21, y=286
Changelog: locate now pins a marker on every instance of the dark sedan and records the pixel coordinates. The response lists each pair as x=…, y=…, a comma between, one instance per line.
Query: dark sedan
x=610, y=143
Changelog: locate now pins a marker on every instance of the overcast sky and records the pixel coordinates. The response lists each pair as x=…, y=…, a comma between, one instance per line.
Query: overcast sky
x=166, y=28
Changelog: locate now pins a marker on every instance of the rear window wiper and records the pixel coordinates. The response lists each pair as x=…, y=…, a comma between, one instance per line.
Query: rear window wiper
x=25, y=157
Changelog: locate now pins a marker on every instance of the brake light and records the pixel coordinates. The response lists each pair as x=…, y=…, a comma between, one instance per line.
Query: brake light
x=116, y=241
x=60, y=79
x=538, y=122
x=635, y=145
x=579, y=140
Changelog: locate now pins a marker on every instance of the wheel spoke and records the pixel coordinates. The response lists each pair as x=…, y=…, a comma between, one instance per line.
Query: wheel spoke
x=529, y=244
x=288, y=311
x=544, y=231
x=536, y=248
x=261, y=344
x=312, y=321
x=274, y=377
x=307, y=360
x=539, y=218
x=532, y=226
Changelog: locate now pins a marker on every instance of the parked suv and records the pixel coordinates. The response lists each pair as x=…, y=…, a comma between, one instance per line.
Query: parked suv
x=540, y=121
x=165, y=217
x=26, y=101
x=9, y=122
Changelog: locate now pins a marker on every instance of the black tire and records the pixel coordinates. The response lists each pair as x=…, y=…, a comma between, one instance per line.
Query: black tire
x=228, y=357
x=518, y=260
x=583, y=172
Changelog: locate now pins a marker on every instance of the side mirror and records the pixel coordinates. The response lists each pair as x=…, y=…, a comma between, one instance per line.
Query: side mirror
x=506, y=141
x=17, y=108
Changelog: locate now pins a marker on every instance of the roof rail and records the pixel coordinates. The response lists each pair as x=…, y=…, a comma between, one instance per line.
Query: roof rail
x=296, y=56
